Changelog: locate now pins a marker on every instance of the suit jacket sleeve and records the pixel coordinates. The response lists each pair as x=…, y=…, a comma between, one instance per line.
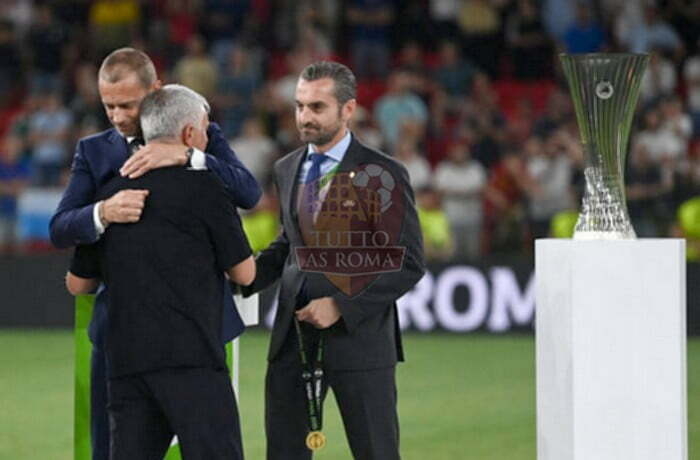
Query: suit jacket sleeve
x=236, y=178
x=269, y=264
x=72, y=223
x=383, y=292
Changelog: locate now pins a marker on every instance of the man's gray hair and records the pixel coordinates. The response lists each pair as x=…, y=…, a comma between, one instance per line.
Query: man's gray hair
x=166, y=111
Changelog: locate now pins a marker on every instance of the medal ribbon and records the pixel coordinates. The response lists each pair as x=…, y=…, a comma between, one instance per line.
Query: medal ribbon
x=313, y=378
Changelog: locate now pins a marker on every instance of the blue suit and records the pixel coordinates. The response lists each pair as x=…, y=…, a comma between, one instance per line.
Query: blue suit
x=98, y=158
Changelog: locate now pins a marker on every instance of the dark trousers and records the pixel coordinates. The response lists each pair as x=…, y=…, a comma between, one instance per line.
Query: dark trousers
x=99, y=422
x=366, y=399
x=197, y=404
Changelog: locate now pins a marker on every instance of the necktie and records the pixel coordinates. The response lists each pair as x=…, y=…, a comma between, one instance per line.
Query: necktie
x=135, y=144
x=312, y=181
x=312, y=185
x=315, y=170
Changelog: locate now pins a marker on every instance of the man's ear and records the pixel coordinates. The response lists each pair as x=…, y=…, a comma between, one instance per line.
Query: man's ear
x=349, y=109
x=188, y=135
x=157, y=85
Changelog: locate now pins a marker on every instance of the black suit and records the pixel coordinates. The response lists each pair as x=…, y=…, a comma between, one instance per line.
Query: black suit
x=361, y=350
x=167, y=369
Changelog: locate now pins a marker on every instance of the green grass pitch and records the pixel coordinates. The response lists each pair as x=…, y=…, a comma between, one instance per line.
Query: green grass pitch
x=465, y=397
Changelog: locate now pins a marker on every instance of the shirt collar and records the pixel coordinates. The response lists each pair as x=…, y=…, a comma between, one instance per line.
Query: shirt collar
x=337, y=152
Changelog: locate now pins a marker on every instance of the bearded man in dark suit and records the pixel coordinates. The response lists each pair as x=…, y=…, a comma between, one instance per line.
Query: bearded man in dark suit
x=350, y=247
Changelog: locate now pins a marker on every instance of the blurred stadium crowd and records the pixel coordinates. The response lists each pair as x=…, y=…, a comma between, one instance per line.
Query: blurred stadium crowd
x=467, y=93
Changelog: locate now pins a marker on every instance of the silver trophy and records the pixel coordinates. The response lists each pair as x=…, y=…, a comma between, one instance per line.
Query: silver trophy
x=605, y=89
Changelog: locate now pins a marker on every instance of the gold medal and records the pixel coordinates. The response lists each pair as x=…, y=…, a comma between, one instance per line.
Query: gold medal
x=315, y=440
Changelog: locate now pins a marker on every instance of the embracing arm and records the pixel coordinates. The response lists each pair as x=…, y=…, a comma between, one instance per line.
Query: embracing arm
x=236, y=178
x=79, y=219
x=243, y=273
x=77, y=285
x=72, y=223
x=218, y=157
x=83, y=277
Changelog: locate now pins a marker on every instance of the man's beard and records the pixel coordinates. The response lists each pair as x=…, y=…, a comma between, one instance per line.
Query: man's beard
x=319, y=137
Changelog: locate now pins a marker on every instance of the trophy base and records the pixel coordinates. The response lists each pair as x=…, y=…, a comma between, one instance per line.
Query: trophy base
x=604, y=235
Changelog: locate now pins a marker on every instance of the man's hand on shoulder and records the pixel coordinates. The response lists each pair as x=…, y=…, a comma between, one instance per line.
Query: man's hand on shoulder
x=123, y=207
x=322, y=313
x=153, y=156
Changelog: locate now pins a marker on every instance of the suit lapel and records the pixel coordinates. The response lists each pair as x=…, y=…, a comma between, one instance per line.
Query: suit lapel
x=354, y=156
x=119, y=145
x=289, y=185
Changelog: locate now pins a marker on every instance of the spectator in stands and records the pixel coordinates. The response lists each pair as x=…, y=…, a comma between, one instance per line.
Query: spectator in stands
x=113, y=23
x=282, y=89
x=181, y=21
x=559, y=110
x=19, y=123
x=418, y=167
x=196, y=69
x=46, y=43
x=370, y=27
x=551, y=168
x=621, y=17
x=461, y=180
x=663, y=145
x=14, y=177
x=49, y=132
x=684, y=17
x=687, y=226
x=10, y=62
x=504, y=204
x=88, y=113
x=362, y=126
x=563, y=224
x=677, y=123
x=521, y=122
x=585, y=34
x=691, y=76
x=486, y=122
x=255, y=149
x=400, y=104
x=222, y=23
x=558, y=15
x=438, y=240
x=443, y=15
x=659, y=79
x=411, y=57
x=315, y=44
x=282, y=30
x=454, y=73
x=480, y=26
x=653, y=33
x=531, y=48
x=19, y=14
x=236, y=89
x=645, y=188
x=686, y=178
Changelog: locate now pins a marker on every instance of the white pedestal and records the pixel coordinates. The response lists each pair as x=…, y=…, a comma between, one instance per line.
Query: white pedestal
x=611, y=350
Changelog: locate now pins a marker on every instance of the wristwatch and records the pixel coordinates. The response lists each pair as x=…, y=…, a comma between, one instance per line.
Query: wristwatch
x=188, y=154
